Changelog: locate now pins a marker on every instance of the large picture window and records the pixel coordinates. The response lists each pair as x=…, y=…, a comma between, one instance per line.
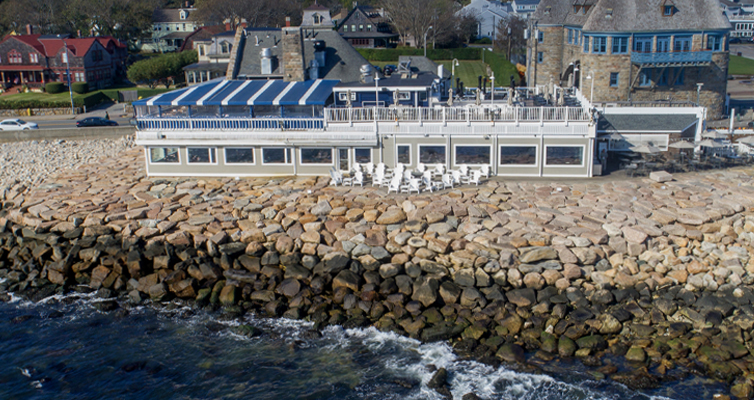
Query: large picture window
x=201, y=155
x=620, y=45
x=239, y=155
x=565, y=155
x=643, y=44
x=472, y=155
x=404, y=153
x=276, y=155
x=362, y=156
x=600, y=45
x=316, y=155
x=429, y=154
x=164, y=155
x=518, y=155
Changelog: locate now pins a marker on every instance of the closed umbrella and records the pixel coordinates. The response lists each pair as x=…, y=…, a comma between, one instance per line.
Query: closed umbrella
x=646, y=149
x=682, y=144
x=710, y=143
x=714, y=135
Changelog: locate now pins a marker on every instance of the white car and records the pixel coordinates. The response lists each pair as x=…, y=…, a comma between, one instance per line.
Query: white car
x=16, y=125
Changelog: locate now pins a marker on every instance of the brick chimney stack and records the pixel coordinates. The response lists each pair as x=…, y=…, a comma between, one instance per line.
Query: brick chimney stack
x=293, y=55
x=29, y=29
x=287, y=22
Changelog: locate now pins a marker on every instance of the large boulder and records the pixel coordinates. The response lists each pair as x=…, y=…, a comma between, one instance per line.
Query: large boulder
x=425, y=291
x=534, y=254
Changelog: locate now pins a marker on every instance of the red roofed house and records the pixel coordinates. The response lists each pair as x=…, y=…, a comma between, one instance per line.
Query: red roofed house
x=37, y=59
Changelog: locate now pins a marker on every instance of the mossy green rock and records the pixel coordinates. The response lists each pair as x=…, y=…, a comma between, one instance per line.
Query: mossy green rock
x=636, y=354
x=724, y=371
x=734, y=348
x=709, y=354
x=216, y=290
x=511, y=352
x=494, y=342
x=203, y=295
x=473, y=332
x=592, y=342
x=566, y=347
x=549, y=342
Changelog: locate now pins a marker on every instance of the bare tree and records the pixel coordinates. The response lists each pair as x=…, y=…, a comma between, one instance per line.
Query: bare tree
x=257, y=13
x=516, y=37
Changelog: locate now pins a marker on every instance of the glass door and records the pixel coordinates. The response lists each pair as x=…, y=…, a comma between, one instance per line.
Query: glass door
x=344, y=160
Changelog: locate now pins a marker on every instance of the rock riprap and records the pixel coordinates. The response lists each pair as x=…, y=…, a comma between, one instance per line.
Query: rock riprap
x=659, y=274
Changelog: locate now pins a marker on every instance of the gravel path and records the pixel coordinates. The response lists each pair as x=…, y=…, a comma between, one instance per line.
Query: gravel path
x=31, y=162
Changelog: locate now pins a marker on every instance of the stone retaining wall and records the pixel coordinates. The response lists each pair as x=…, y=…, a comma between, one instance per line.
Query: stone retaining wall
x=25, y=112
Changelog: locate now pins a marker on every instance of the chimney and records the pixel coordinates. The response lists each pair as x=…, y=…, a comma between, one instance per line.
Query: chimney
x=187, y=4
x=78, y=33
x=293, y=55
x=440, y=70
x=320, y=51
x=287, y=22
x=29, y=29
x=227, y=26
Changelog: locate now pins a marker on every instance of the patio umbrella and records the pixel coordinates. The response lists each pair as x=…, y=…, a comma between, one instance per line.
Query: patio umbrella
x=710, y=143
x=450, y=97
x=478, y=97
x=646, y=149
x=510, y=96
x=614, y=136
x=714, y=135
x=682, y=144
x=747, y=140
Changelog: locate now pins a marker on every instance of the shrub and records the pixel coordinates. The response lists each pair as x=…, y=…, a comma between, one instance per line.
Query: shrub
x=80, y=87
x=54, y=87
x=484, y=40
x=464, y=53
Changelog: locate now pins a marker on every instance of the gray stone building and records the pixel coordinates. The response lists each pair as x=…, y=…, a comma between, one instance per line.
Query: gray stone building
x=632, y=50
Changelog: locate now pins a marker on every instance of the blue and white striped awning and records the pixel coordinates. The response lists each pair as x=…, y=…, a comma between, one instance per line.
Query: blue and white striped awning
x=249, y=92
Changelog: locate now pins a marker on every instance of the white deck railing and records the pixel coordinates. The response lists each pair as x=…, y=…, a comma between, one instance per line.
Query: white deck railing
x=456, y=114
x=230, y=124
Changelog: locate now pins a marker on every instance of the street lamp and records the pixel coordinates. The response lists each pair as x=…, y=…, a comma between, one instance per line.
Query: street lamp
x=591, y=93
x=509, y=44
x=376, y=90
x=68, y=72
x=425, y=40
x=698, y=92
x=492, y=88
x=453, y=65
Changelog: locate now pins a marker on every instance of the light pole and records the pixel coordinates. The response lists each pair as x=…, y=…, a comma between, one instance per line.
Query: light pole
x=68, y=73
x=591, y=93
x=453, y=65
x=376, y=89
x=425, y=40
x=509, y=44
x=492, y=88
x=698, y=92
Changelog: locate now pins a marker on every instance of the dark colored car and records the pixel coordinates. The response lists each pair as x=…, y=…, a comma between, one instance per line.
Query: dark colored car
x=95, y=121
x=389, y=69
x=734, y=40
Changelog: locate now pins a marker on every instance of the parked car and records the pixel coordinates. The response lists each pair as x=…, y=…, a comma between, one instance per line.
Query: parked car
x=16, y=125
x=389, y=69
x=95, y=121
x=734, y=40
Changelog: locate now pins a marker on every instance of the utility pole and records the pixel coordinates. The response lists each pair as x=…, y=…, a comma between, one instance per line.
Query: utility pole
x=509, y=44
x=68, y=73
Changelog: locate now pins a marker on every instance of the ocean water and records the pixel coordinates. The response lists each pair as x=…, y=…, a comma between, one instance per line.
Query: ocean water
x=63, y=348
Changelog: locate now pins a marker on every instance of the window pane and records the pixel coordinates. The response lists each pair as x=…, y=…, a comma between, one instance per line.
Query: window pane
x=316, y=156
x=200, y=155
x=432, y=154
x=518, y=155
x=404, y=154
x=241, y=155
x=266, y=111
x=565, y=155
x=163, y=154
x=363, y=156
x=474, y=155
x=273, y=155
x=236, y=111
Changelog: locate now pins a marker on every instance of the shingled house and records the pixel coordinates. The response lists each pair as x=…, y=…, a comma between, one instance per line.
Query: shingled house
x=34, y=60
x=365, y=26
x=632, y=50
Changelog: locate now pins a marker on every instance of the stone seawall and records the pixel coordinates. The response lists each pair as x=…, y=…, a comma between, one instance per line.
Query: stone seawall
x=25, y=112
x=657, y=274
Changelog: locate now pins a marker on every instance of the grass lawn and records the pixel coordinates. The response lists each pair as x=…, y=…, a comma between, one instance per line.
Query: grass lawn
x=740, y=66
x=467, y=70
x=111, y=93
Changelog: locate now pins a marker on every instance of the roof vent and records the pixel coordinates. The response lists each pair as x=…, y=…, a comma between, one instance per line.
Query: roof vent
x=547, y=10
x=267, y=62
x=609, y=13
x=366, y=73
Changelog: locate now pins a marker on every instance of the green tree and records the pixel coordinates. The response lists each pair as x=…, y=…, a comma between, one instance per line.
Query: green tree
x=165, y=69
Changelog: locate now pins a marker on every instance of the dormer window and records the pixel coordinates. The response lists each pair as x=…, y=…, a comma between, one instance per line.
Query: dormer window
x=547, y=10
x=576, y=8
x=667, y=11
x=317, y=19
x=609, y=13
x=184, y=14
x=14, y=57
x=224, y=47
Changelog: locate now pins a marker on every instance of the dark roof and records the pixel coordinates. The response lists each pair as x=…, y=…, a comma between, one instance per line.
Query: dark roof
x=369, y=12
x=527, y=2
x=361, y=35
x=207, y=66
x=624, y=123
x=315, y=7
x=421, y=63
x=177, y=35
x=170, y=14
x=204, y=33
x=342, y=61
x=423, y=78
x=633, y=15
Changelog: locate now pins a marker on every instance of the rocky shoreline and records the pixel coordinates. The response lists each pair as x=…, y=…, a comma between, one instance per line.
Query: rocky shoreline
x=659, y=275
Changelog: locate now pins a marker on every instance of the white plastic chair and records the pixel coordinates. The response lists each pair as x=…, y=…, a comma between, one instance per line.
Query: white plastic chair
x=421, y=168
x=394, y=186
x=429, y=184
x=336, y=178
x=414, y=185
x=369, y=169
x=464, y=169
x=377, y=179
x=486, y=170
x=439, y=169
x=475, y=176
x=407, y=175
x=447, y=181
x=357, y=179
x=457, y=177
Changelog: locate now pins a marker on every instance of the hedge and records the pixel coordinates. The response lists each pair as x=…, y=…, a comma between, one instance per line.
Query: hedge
x=502, y=68
x=80, y=87
x=79, y=101
x=54, y=87
x=464, y=53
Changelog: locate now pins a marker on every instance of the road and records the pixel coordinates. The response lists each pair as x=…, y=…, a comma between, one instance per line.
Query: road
x=115, y=111
x=69, y=123
x=746, y=50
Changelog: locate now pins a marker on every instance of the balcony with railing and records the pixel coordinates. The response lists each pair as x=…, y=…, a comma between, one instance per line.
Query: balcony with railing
x=691, y=58
x=231, y=124
x=504, y=114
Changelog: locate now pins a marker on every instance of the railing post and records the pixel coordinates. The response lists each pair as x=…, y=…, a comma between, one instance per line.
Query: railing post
x=444, y=118
x=567, y=109
x=468, y=117
x=516, y=111
x=350, y=116
x=375, y=118
x=420, y=116
x=324, y=120
x=541, y=116
x=191, y=123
